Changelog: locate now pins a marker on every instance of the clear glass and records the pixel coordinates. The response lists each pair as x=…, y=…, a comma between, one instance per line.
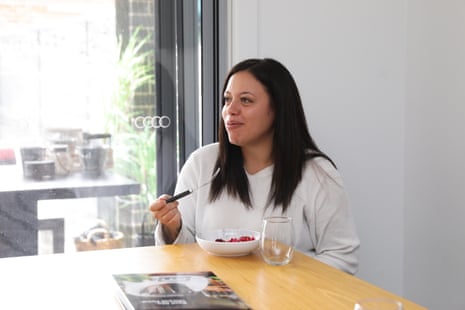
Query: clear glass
x=90, y=69
x=378, y=304
x=62, y=159
x=277, y=240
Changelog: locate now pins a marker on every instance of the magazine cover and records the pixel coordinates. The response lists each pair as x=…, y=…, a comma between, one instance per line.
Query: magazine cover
x=196, y=290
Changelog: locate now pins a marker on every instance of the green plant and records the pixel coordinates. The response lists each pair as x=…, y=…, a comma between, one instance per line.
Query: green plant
x=133, y=148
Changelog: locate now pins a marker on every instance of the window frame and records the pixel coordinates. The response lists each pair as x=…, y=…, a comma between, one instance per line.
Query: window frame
x=195, y=113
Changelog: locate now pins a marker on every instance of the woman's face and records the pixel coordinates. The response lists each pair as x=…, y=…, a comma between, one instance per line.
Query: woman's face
x=247, y=112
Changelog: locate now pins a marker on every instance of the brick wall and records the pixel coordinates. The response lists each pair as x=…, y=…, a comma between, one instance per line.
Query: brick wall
x=133, y=14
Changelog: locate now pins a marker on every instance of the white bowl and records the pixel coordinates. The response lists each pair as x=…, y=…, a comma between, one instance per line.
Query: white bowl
x=207, y=242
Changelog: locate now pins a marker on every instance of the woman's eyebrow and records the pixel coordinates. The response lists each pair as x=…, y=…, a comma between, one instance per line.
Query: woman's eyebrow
x=246, y=92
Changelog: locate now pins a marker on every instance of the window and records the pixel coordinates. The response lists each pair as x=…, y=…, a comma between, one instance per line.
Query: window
x=65, y=89
x=198, y=66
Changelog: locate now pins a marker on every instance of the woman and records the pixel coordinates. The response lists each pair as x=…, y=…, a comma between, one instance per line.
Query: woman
x=268, y=165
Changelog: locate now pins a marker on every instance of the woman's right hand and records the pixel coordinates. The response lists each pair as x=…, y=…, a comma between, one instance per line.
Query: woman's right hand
x=168, y=215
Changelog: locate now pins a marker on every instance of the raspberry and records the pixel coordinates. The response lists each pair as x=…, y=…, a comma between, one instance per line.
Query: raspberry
x=240, y=239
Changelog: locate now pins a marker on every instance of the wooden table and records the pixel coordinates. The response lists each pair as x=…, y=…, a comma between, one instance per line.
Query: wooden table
x=82, y=280
x=19, y=198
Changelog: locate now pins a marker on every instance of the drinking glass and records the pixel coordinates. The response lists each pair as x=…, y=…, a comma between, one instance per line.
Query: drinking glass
x=378, y=304
x=278, y=240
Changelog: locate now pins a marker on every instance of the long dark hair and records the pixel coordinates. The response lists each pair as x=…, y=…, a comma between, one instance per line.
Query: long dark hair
x=292, y=143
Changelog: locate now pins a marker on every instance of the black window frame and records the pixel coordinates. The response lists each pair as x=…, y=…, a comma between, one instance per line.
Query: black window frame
x=192, y=105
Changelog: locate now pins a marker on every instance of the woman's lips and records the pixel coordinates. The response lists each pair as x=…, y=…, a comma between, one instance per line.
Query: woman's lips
x=233, y=124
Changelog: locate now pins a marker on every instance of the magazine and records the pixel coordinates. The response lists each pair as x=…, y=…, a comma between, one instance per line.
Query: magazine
x=182, y=290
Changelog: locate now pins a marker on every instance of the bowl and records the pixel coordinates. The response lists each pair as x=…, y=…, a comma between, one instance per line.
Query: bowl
x=208, y=242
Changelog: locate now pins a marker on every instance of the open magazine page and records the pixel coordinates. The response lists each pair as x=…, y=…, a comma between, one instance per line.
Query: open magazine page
x=196, y=290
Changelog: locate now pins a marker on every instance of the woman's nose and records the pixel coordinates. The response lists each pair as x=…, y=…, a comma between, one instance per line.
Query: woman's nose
x=232, y=107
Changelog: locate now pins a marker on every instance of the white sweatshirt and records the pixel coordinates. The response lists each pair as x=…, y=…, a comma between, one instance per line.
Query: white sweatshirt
x=319, y=208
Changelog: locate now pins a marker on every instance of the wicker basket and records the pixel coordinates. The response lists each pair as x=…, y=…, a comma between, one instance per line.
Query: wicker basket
x=112, y=240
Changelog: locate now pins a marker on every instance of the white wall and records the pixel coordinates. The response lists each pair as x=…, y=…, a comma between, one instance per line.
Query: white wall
x=372, y=106
x=435, y=154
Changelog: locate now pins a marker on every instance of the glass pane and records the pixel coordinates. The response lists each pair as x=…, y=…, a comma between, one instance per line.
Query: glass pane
x=84, y=118
x=56, y=61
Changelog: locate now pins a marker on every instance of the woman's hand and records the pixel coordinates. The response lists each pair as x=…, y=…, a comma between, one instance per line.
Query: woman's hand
x=168, y=215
